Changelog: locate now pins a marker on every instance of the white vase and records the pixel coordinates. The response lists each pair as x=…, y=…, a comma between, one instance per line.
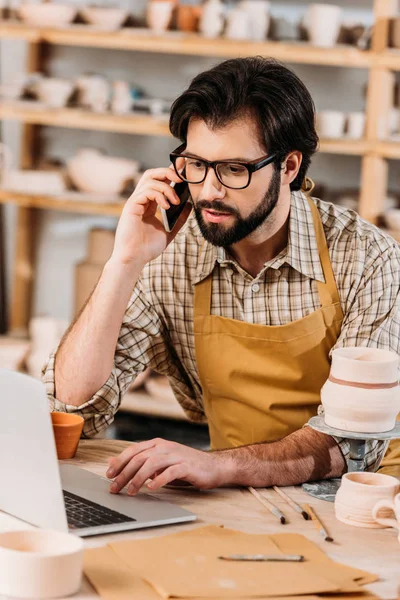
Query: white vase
x=258, y=12
x=212, y=19
x=238, y=27
x=323, y=23
x=159, y=13
x=362, y=393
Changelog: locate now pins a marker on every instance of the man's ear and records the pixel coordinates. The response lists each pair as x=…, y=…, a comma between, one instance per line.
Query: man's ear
x=290, y=167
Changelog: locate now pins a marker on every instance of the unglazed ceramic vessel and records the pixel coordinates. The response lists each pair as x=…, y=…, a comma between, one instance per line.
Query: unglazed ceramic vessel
x=358, y=495
x=331, y=123
x=212, y=19
x=93, y=172
x=362, y=393
x=40, y=563
x=323, y=24
x=258, y=12
x=67, y=430
x=385, y=505
x=53, y=91
x=355, y=125
x=104, y=17
x=159, y=14
x=47, y=14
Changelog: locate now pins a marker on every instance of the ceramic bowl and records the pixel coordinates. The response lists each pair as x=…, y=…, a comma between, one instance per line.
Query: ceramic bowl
x=103, y=17
x=392, y=218
x=359, y=493
x=67, y=430
x=53, y=91
x=362, y=392
x=47, y=14
x=40, y=563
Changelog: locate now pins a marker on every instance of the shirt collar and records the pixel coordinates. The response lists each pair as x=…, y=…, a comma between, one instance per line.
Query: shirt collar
x=301, y=252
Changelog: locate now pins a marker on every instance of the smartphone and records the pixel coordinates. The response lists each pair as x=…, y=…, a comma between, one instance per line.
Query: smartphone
x=170, y=216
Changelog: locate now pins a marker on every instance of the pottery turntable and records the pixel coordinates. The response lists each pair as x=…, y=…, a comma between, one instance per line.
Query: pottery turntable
x=326, y=490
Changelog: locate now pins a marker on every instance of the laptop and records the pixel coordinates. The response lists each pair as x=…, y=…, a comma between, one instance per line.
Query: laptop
x=64, y=497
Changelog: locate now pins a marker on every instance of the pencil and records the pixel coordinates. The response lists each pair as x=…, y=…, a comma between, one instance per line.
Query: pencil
x=292, y=503
x=271, y=507
x=318, y=524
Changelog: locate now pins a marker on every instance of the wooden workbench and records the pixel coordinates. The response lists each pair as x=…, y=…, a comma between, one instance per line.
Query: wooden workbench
x=376, y=551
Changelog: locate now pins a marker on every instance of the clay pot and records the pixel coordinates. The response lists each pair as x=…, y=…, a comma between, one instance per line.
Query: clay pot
x=47, y=14
x=40, y=564
x=67, y=432
x=355, y=125
x=392, y=506
x=104, y=17
x=359, y=494
x=187, y=17
x=53, y=91
x=330, y=124
x=159, y=14
x=362, y=392
x=323, y=24
x=212, y=19
x=259, y=19
x=93, y=172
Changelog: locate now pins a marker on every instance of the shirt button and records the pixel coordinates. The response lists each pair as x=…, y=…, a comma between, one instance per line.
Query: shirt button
x=255, y=287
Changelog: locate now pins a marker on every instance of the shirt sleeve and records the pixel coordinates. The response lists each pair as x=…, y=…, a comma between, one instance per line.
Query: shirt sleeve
x=141, y=344
x=373, y=320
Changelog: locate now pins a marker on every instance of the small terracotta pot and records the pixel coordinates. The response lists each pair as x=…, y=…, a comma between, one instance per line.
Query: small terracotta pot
x=359, y=494
x=67, y=432
x=187, y=17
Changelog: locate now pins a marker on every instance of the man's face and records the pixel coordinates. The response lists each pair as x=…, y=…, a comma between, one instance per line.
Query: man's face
x=226, y=216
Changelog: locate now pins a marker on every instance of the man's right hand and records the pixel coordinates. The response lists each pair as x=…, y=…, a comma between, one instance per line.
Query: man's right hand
x=140, y=235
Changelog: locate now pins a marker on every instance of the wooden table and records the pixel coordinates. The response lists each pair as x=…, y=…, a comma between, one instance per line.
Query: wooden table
x=374, y=550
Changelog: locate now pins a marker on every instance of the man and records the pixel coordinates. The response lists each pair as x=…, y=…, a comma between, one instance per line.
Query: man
x=243, y=306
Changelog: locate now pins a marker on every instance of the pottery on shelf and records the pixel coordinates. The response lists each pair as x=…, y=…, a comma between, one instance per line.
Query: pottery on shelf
x=188, y=16
x=40, y=563
x=53, y=91
x=159, y=15
x=388, y=505
x=212, y=19
x=122, y=101
x=359, y=493
x=93, y=92
x=47, y=14
x=238, y=24
x=258, y=14
x=355, y=127
x=323, y=24
x=93, y=172
x=330, y=124
x=104, y=17
x=362, y=392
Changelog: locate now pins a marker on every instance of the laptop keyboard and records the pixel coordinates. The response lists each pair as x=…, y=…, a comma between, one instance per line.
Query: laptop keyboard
x=83, y=513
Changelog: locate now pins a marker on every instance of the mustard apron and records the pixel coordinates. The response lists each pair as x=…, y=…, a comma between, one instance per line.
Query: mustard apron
x=260, y=383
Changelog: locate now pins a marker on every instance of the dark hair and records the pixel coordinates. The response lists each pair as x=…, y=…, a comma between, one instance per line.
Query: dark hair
x=258, y=86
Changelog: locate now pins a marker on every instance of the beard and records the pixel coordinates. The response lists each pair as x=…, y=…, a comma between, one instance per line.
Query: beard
x=218, y=235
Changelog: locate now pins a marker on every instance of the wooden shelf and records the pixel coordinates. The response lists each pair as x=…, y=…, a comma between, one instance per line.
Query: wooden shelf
x=142, y=40
x=65, y=204
x=388, y=149
x=37, y=114
x=345, y=146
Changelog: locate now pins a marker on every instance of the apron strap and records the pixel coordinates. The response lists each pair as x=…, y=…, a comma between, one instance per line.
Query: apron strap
x=327, y=291
x=202, y=297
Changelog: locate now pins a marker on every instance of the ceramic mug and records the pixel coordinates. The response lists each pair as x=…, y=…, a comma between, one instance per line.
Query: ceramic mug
x=358, y=495
x=323, y=24
x=355, y=125
x=159, y=14
x=40, y=563
x=392, y=506
x=67, y=430
x=330, y=124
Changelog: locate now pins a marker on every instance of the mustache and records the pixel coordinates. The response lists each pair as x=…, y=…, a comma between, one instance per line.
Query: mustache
x=216, y=205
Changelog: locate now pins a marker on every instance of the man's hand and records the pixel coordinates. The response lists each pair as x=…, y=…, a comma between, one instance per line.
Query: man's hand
x=163, y=461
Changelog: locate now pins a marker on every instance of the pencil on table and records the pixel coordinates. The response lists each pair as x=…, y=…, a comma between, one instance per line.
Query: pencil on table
x=318, y=524
x=292, y=503
x=271, y=507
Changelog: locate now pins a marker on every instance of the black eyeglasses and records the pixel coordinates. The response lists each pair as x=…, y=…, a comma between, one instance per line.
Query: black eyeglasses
x=235, y=175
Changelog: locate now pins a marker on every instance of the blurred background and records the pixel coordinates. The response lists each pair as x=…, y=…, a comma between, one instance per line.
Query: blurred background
x=85, y=93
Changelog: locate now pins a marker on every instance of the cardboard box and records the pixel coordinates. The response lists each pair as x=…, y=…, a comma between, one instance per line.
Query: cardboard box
x=101, y=244
x=86, y=277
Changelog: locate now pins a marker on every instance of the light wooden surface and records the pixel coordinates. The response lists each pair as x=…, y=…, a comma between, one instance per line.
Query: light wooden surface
x=376, y=551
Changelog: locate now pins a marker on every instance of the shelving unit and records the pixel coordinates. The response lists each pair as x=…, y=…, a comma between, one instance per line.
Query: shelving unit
x=375, y=149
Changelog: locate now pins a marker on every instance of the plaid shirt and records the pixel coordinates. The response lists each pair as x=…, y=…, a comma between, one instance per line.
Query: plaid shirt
x=157, y=329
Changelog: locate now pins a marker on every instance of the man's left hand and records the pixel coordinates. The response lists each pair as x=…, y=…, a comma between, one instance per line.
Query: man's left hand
x=163, y=462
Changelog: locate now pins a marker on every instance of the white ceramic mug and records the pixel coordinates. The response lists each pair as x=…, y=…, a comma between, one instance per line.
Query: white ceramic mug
x=258, y=12
x=159, y=13
x=358, y=495
x=323, y=24
x=330, y=124
x=40, y=563
x=238, y=26
x=391, y=506
x=355, y=125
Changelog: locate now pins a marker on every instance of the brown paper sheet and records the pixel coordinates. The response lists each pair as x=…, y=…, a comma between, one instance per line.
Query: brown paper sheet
x=186, y=565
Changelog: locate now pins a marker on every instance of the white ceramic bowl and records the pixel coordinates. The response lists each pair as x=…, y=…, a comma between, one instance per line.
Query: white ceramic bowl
x=40, y=563
x=359, y=493
x=104, y=18
x=362, y=392
x=392, y=218
x=47, y=14
x=53, y=91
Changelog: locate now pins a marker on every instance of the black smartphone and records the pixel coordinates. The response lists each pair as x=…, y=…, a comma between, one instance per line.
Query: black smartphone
x=170, y=216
